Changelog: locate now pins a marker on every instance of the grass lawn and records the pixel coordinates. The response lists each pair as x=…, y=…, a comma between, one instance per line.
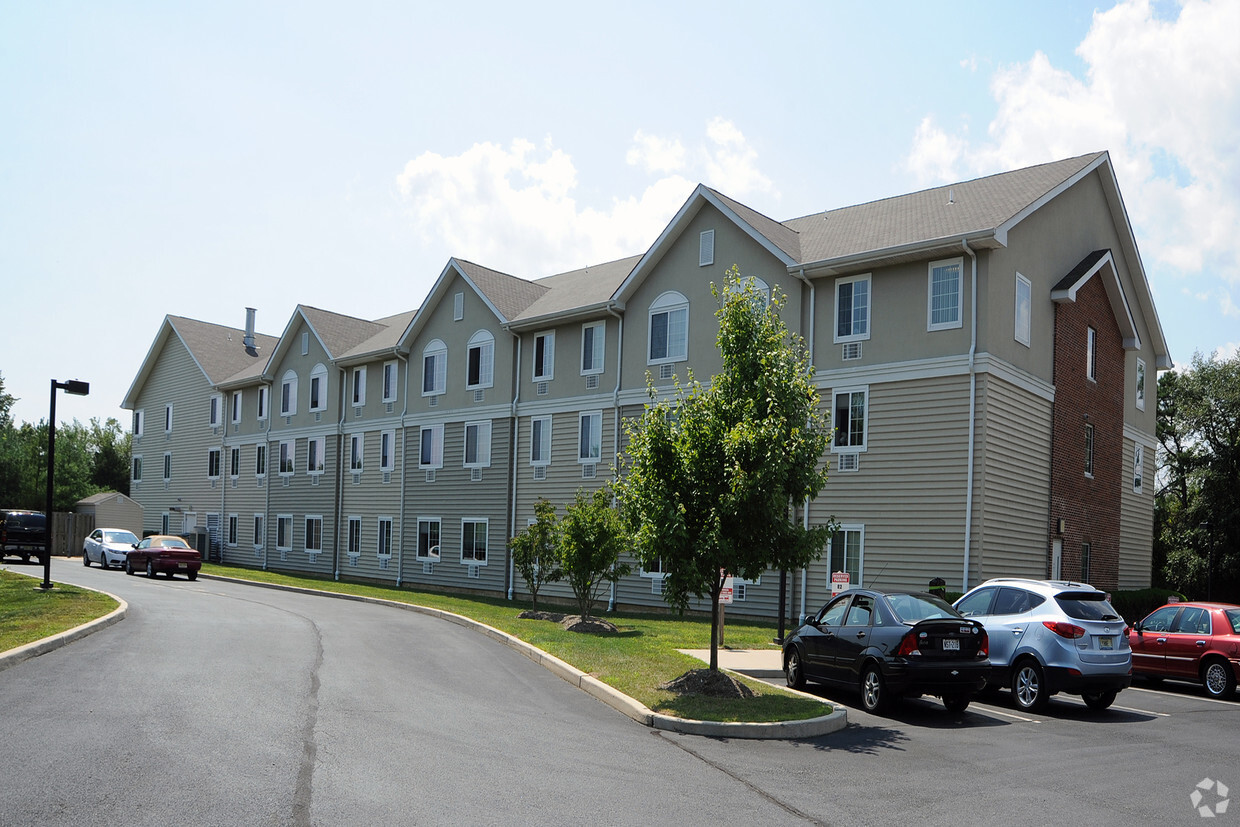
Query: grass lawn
x=636, y=660
x=28, y=613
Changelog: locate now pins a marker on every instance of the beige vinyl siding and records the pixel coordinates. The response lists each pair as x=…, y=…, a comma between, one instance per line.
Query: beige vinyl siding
x=453, y=497
x=1136, y=525
x=245, y=498
x=1013, y=490
x=909, y=489
x=300, y=498
x=177, y=380
x=367, y=496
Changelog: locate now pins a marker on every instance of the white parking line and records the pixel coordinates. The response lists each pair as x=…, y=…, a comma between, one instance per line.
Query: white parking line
x=1167, y=694
x=1005, y=713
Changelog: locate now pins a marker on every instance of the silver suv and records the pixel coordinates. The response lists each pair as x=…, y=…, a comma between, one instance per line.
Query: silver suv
x=1051, y=636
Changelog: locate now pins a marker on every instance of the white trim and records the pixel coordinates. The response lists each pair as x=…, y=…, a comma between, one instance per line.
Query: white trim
x=545, y=438
x=482, y=457
x=389, y=390
x=319, y=372
x=1022, y=329
x=598, y=347
x=391, y=528
x=849, y=447
x=706, y=248
x=486, y=534
x=591, y=459
x=1139, y=390
x=548, y=362
x=238, y=400
x=437, y=352
x=351, y=521
x=483, y=341
x=436, y=447
x=389, y=436
x=321, y=443
x=318, y=518
x=357, y=386
x=869, y=309
x=857, y=528
x=668, y=303
x=943, y=264
x=289, y=380
x=434, y=552
x=291, y=538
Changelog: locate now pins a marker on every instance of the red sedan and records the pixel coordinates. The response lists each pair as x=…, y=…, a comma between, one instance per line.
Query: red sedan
x=1198, y=642
x=165, y=554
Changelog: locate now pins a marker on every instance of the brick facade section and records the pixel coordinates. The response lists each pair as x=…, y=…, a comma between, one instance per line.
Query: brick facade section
x=1090, y=505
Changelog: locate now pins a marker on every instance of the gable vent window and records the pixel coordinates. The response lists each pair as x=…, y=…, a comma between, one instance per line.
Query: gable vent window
x=706, y=248
x=458, y=307
x=852, y=350
x=849, y=462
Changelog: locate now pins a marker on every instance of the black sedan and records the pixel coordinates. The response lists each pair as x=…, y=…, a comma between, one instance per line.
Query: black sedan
x=890, y=645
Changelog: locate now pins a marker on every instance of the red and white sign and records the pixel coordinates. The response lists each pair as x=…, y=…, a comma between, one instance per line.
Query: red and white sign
x=725, y=596
x=840, y=581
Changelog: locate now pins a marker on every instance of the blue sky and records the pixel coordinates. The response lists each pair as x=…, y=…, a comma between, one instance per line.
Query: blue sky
x=196, y=159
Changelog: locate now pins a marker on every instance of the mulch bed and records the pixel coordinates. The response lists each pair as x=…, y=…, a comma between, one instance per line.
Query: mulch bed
x=716, y=684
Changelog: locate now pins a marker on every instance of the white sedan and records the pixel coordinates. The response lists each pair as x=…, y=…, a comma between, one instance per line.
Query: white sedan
x=106, y=546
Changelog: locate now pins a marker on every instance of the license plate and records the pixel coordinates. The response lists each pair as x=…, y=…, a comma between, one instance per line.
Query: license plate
x=181, y=565
x=1107, y=642
x=950, y=644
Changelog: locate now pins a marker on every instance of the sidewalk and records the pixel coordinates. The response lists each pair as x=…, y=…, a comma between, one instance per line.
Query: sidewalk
x=764, y=664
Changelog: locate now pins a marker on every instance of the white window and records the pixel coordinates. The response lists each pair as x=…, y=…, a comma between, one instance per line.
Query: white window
x=478, y=444
x=236, y=407
x=387, y=450
x=593, y=338
x=544, y=356
x=262, y=403
x=852, y=309
x=356, y=452
x=260, y=460
x=213, y=411
x=389, y=382
x=706, y=248
x=316, y=461
x=428, y=538
x=458, y=307
x=213, y=463
x=540, y=440
x=288, y=453
x=430, y=454
x=139, y=422
x=318, y=388
x=1138, y=468
x=481, y=364
x=1089, y=450
x=167, y=469
x=669, y=328
x=850, y=419
x=164, y=523
x=474, y=541
x=384, y=546
x=945, y=294
x=167, y=419
x=314, y=533
x=1091, y=354
x=305, y=343
x=434, y=368
x=232, y=530
x=258, y=531
x=137, y=468
x=590, y=437
x=234, y=463
x=284, y=532
x=1024, y=310
x=847, y=553
x=1140, y=384
x=288, y=394
x=359, y=387
x=355, y=536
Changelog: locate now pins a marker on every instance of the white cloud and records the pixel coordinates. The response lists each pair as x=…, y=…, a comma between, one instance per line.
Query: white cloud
x=1163, y=96
x=1228, y=351
x=513, y=208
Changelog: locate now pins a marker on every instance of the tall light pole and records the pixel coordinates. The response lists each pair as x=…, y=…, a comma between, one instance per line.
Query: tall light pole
x=76, y=388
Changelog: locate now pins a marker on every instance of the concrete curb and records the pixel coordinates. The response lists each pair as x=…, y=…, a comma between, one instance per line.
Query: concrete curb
x=48, y=644
x=617, y=700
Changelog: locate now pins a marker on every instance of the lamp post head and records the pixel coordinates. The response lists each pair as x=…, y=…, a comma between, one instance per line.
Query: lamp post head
x=76, y=387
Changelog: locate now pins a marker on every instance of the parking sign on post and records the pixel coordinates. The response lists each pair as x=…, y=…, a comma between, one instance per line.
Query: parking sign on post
x=840, y=581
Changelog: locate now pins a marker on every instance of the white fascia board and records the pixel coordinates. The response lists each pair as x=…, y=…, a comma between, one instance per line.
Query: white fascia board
x=834, y=266
x=670, y=233
x=1115, y=294
x=148, y=364
x=404, y=344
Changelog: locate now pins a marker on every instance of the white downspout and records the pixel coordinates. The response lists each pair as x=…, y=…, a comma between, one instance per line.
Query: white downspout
x=344, y=404
x=267, y=476
x=805, y=505
x=516, y=439
x=404, y=441
x=968, y=507
x=615, y=406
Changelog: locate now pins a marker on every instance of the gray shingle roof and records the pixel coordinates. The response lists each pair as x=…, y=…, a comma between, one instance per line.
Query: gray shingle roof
x=588, y=287
x=510, y=295
x=339, y=333
x=220, y=350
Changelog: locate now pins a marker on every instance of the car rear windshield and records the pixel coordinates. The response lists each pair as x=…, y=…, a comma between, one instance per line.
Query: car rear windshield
x=1233, y=617
x=912, y=608
x=1086, y=605
x=27, y=520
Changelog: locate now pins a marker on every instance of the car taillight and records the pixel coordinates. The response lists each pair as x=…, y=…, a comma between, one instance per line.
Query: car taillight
x=1127, y=631
x=1068, y=630
x=908, y=646
x=983, y=648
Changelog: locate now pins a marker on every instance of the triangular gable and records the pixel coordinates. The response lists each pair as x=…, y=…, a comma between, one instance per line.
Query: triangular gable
x=731, y=210
x=504, y=295
x=1100, y=263
x=286, y=338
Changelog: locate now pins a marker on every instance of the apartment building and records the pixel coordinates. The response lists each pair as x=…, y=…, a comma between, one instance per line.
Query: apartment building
x=988, y=351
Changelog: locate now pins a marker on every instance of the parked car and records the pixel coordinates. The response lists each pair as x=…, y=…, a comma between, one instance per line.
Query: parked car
x=1198, y=642
x=889, y=645
x=1051, y=636
x=22, y=533
x=162, y=553
x=106, y=546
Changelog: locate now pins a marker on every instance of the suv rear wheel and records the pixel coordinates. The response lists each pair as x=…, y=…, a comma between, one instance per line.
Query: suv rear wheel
x=1029, y=686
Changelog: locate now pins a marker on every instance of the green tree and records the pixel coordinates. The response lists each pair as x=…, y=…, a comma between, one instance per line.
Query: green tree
x=1197, y=500
x=711, y=479
x=536, y=550
x=110, y=449
x=592, y=537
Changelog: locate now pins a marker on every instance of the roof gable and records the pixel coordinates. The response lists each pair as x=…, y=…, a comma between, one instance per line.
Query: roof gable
x=1102, y=264
x=504, y=295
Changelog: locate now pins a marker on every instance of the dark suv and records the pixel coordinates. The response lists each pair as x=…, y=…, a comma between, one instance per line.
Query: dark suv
x=22, y=533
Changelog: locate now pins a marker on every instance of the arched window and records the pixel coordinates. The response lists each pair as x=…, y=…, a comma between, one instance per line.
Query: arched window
x=434, y=368
x=480, y=370
x=288, y=394
x=669, y=329
x=318, y=388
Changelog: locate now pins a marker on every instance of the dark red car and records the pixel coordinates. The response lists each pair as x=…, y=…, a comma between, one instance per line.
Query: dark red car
x=161, y=553
x=1198, y=642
